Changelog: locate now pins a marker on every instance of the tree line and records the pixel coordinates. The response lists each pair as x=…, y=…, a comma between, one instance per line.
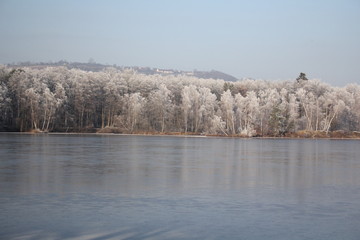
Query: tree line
x=61, y=99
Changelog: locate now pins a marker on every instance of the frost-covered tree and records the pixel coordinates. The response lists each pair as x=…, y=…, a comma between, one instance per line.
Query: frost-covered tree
x=132, y=112
x=61, y=99
x=283, y=114
x=217, y=126
x=247, y=113
x=160, y=108
x=207, y=110
x=190, y=106
x=114, y=92
x=269, y=100
x=32, y=98
x=351, y=118
x=308, y=107
x=227, y=105
x=293, y=113
x=5, y=105
x=334, y=105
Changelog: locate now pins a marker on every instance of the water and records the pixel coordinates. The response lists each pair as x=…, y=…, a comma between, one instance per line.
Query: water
x=142, y=187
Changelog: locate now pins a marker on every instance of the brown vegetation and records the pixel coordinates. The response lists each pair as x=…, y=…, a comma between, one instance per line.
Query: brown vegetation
x=322, y=134
x=299, y=134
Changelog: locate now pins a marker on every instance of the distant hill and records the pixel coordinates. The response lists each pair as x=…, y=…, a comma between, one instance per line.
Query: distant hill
x=215, y=75
x=96, y=67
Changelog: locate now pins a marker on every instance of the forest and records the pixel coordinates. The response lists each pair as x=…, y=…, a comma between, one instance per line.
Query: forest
x=58, y=99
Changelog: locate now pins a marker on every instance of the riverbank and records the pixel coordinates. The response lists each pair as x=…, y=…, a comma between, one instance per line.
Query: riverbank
x=294, y=135
x=299, y=134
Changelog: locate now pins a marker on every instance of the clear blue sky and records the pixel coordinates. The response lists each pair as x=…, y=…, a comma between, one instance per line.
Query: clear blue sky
x=267, y=39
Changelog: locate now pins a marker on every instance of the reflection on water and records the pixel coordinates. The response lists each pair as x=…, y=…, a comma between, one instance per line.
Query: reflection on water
x=134, y=187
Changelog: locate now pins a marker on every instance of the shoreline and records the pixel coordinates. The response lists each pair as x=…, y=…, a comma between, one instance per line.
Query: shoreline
x=186, y=135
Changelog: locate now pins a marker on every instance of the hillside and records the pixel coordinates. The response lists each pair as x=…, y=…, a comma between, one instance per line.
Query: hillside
x=97, y=67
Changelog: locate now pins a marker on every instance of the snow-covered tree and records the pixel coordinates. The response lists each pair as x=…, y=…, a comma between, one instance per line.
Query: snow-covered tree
x=160, y=108
x=208, y=107
x=269, y=100
x=308, y=107
x=132, y=112
x=333, y=106
x=247, y=113
x=5, y=104
x=190, y=106
x=61, y=99
x=227, y=105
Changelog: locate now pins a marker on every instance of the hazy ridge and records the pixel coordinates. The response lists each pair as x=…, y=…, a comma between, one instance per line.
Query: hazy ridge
x=97, y=67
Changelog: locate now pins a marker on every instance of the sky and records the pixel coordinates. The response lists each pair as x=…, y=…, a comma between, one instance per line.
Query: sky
x=261, y=39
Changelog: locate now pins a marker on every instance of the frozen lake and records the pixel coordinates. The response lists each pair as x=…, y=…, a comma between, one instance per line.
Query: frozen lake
x=56, y=186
